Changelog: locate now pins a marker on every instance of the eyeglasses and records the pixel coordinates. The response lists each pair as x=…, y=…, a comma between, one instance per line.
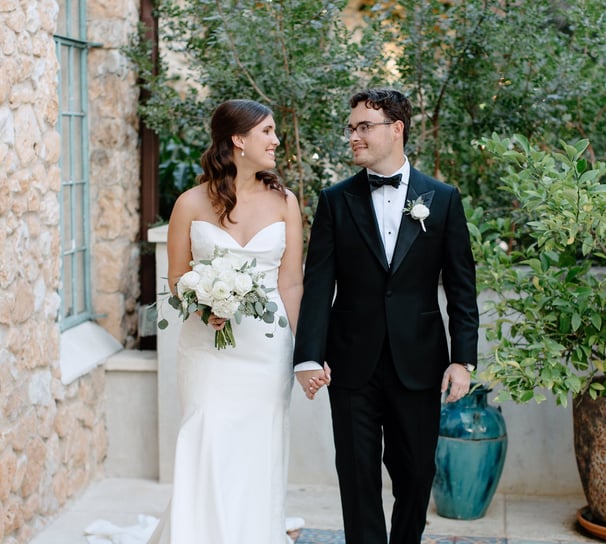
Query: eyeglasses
x=362, y=129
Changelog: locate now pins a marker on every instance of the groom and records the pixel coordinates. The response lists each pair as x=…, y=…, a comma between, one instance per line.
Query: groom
x=383, y=239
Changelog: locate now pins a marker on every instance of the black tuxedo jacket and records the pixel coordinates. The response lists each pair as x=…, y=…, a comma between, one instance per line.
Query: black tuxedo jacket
x=375, y=301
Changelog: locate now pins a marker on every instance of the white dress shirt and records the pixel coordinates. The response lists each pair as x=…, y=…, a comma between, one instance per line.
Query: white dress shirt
x=388, y=203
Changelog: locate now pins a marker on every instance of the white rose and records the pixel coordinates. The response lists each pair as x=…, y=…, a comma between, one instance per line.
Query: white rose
x=207, y=277
x=226, y=308
x=220, y=290
x=221, y=264
x=242, y=283
x=236, y=261
x=201, y=268
x=229, y=278
x=419, y=212
x=203, y=293
x=189, y=280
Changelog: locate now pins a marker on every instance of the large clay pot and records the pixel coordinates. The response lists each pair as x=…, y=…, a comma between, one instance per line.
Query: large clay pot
x=589, y=417
x=470, y=455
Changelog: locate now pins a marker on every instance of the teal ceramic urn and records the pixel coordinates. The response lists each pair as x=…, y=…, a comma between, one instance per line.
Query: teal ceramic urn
x=469, y=457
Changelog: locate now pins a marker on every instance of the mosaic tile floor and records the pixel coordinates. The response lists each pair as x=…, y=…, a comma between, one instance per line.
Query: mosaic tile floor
x=319, y=536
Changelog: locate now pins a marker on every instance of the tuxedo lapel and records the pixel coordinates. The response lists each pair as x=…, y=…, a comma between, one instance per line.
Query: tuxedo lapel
x=409, y=227
x=360, y=206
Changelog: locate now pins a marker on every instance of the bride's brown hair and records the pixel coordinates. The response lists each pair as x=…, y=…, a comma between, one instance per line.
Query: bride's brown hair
x=218, y=168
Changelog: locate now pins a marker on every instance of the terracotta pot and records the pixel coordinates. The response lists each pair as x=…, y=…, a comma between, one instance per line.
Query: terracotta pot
x=589, y=417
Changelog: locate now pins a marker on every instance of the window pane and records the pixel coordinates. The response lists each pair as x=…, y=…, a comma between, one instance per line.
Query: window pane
x=62, y=20
x=66, y=171
x=67, y=218
x=76, y=90
x=77, y=136
x=70, y=19
x=79, y=211
x=79, y=283
x=64, y=74
x=68, y=305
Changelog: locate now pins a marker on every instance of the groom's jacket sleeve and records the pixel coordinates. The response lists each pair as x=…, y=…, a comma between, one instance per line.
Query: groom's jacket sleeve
x=319, y=287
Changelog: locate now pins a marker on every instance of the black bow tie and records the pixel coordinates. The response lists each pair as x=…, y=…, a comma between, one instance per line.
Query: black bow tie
x=380, y=181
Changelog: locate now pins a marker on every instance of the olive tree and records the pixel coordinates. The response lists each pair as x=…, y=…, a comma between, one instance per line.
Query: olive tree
x=297, y=57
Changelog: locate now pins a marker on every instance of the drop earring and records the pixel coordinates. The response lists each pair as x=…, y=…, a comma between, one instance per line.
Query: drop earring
x=242, y=154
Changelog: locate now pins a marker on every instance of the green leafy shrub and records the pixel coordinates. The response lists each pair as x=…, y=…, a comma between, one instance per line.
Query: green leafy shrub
x=547, y=317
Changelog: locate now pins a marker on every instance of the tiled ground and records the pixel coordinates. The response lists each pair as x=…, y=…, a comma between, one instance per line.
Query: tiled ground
x=320, y=536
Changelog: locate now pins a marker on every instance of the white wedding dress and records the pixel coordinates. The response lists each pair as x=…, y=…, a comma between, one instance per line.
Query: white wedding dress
x=232, y=449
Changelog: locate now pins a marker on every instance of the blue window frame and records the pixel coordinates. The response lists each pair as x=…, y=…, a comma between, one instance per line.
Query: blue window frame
x=72, y=54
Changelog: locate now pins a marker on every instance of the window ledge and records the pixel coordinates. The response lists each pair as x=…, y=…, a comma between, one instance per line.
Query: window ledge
x=83, y=348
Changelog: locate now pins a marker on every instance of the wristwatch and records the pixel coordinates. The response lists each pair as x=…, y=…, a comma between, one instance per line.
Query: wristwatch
x=467, y=366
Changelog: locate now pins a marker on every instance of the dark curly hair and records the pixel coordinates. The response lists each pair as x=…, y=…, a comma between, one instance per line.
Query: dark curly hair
x=394, y=104
x=218, y=168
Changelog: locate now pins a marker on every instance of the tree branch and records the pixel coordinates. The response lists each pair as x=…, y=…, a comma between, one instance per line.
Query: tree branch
x=232, y=46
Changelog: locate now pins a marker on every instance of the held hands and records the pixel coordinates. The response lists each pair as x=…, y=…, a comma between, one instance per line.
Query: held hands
x=459, y=379
x=312, y=380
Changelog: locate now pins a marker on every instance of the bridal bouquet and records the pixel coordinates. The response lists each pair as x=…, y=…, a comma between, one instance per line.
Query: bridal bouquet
x=227, y=287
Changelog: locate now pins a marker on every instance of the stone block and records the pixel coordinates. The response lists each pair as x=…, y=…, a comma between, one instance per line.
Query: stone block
x=8, y=469
x=60, y=485
x=30, y=506
x=24, y=303
x=63, y=420
x=19, y=473
x=1, y=522
x=35, y=452
x=39, y=388
x=7, y=123
x=52, y=145
x=7, y=6
x=8, y=39
x=33, y=23
x=23, y=430
x=13, y=518
x=48, y=15
x=27, y=134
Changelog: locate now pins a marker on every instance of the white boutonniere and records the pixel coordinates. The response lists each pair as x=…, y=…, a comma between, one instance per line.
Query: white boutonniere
x=417, y=210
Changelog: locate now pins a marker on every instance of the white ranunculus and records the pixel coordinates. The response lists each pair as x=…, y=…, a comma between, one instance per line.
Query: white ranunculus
x=419, y=212
x=242, y=283
x=226, y=308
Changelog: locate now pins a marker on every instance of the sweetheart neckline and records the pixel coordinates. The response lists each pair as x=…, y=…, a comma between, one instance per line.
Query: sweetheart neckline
x=230, y=236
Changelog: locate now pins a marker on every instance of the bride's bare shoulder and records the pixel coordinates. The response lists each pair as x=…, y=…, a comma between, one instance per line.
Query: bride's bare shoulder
x=193, y=200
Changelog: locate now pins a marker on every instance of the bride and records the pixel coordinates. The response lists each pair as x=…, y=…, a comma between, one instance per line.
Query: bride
x=232, y=448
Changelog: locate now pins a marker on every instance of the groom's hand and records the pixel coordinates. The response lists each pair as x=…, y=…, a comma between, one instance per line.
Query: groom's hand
x=311, y=381
x=459, y=379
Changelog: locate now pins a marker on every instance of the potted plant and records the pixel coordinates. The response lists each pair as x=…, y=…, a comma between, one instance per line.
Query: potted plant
x=543, y=261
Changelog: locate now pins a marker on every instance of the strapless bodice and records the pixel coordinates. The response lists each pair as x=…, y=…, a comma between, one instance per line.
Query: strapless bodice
x=266, y=246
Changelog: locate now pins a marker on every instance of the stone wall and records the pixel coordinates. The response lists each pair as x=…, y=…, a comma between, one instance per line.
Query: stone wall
x=114, y=168
x=53, y=437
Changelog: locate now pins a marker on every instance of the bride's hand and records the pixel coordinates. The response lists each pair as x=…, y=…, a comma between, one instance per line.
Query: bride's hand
x=216, y=323
x=313, y=380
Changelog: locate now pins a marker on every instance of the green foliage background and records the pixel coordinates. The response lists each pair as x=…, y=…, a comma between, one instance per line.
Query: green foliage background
x=477, y=72
x=531, y=67
x=296, y=57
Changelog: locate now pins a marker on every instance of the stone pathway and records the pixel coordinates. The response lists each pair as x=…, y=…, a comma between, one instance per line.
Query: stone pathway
x=510, y=519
